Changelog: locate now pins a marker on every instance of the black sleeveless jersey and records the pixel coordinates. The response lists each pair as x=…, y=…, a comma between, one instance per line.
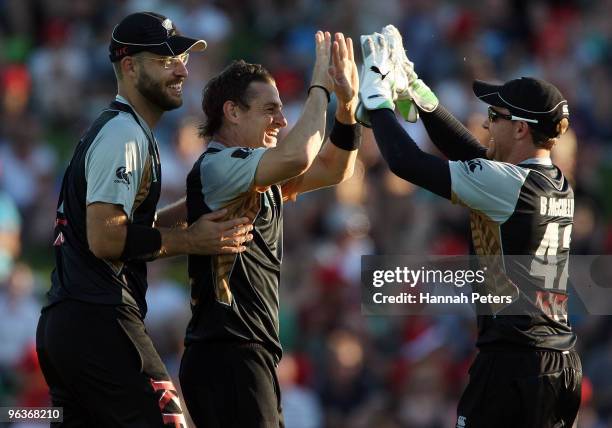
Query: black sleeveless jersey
x=521, y=222
x=117, y=162
x=234, y=297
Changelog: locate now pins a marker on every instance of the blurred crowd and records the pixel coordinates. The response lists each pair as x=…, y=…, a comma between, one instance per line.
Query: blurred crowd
x=340, y=369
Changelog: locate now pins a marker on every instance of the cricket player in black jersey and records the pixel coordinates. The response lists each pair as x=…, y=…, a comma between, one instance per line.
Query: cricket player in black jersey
x=527, y=373
x=94, y=351
x=228, y=374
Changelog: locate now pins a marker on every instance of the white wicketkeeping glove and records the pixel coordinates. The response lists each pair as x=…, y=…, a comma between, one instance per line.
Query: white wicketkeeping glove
x=378, y=78
x=410, y=91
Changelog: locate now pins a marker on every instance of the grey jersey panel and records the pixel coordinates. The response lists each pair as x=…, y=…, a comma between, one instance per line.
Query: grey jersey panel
x=490, y=187
x=227, y=174
x=115, y=163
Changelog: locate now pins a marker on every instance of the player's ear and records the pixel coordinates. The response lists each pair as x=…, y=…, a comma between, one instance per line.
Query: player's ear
x=231, y=111
x=521, y=129
x=128, y=66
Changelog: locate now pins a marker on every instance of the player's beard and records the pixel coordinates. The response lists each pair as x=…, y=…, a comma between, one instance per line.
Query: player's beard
x=154, y=92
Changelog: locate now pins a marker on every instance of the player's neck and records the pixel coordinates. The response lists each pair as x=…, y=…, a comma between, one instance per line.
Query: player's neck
x=150, y=112
x=230, y=137
x=519, y=156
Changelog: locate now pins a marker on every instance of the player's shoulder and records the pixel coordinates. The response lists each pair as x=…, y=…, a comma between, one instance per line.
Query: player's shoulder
x=220, y=157
x=219, y=151
x=124, y=125
x=119, y=137
x=491, y=168
x=121, y=129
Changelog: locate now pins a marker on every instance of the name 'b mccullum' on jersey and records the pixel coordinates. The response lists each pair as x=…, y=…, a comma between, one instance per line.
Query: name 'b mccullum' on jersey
x=521, y=221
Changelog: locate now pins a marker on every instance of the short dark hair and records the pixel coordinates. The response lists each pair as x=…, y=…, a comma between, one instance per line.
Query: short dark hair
x=544, y=141
x=230, y=85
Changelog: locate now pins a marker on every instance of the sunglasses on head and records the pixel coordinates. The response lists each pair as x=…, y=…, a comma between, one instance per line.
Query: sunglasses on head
x=494, y=115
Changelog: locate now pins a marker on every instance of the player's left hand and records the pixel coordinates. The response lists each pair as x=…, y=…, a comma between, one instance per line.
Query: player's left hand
x=345, y=78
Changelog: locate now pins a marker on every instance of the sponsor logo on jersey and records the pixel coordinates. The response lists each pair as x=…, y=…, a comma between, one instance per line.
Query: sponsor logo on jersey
x=123, y=176
x=461, y=422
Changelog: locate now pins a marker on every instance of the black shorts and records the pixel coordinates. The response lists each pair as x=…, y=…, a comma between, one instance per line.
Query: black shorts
x=231, y=385
x=527, y=389
x=101, y=367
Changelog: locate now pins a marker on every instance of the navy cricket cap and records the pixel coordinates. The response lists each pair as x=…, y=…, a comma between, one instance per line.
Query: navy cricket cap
x=151, y=32
x=527, y=98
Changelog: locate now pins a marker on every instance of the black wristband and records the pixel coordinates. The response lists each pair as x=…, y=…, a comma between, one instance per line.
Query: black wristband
x=324, y=90
x=346, y=137
x=142, y=243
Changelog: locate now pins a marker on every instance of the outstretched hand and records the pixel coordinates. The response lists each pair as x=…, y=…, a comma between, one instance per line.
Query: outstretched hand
x=320, y=73
x=343, y=72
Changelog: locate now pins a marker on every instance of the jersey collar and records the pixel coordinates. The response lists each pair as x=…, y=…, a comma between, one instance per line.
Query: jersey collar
x=216, y=145
x=143, y=122
x=537, y=161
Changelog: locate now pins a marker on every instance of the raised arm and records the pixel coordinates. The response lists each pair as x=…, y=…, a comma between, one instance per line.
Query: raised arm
x=377, y=95
x=296, y=153
x=450, y=136
x=405, y=158
x=414, y=98
x=336, y=160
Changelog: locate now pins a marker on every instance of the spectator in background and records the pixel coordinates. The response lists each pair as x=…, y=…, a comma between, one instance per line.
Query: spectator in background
x=20, y=308
x=28, y=163
x=301, y=407
x=179, y=157
x=10, y=233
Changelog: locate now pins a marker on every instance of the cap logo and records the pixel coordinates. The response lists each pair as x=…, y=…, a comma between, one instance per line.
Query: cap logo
x=167, y=24
x=565, y=108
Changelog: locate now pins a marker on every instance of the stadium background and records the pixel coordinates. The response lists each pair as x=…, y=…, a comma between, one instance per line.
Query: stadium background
x=340, y=369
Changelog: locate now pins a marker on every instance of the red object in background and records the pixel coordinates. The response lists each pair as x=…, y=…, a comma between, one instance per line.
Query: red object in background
x=55, y=32
x=15, y=87
x=289, y=83
x=34, y=391
x=552, y=39
x=462, y=28
x=415, y=327
x=329, y=277
x=16, y=79
x=304, y=372
x=587, y=391
x=450, y=245
x=608, y=240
